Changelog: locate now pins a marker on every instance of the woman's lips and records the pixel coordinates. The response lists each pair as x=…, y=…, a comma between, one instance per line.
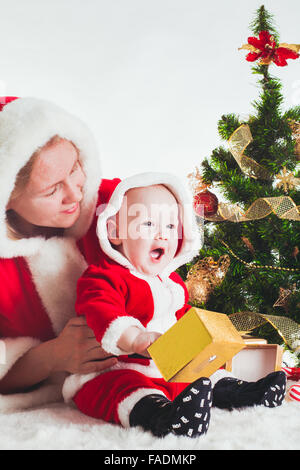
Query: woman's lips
x=72, y=209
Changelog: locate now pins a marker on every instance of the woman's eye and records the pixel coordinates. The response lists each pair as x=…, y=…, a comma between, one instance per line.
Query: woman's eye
x=53, y=192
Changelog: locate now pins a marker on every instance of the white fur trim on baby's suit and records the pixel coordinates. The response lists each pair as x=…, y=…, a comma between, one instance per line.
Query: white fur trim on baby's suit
x=168, y=297
x=27, y=124
x=115, y=330
x=75, y=382
x=193, y=238
x=125, y=406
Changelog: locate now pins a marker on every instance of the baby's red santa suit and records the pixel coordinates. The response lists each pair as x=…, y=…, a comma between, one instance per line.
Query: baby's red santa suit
x=114, y=296
x=38, y=276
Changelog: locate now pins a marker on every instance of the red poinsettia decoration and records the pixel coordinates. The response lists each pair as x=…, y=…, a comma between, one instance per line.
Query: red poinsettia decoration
x=265, y=48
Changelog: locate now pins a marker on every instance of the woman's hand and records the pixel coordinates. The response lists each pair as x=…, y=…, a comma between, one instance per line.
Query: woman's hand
x=77, y=351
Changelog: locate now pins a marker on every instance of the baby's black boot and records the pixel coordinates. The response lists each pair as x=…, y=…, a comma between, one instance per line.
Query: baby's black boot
x=187, y=415
x=230, y=393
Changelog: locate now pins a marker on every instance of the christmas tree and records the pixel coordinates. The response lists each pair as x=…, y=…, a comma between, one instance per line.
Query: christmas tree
x=251, y=249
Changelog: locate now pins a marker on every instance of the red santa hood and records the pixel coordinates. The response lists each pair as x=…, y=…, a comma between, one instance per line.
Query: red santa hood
x=27, y=124
x=192, y=236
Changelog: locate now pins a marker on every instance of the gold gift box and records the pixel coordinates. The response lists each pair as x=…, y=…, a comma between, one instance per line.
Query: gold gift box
x=196, y=346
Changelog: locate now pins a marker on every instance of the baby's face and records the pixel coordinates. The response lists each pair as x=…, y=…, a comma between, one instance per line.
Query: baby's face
x=148, y=228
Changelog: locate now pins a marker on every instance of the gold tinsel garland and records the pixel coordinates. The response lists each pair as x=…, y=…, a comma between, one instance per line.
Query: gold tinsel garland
x=255, y=265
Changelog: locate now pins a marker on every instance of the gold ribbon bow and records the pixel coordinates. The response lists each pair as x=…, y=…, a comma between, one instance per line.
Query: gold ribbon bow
x=287, y=328
x=238, y=141
x=283, y=206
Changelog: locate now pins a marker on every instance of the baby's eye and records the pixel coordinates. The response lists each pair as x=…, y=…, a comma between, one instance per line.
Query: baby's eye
x=171, y=226
x=148, y=223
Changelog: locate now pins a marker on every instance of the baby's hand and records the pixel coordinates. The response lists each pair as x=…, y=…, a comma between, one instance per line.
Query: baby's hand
x=135, y=340
x=143, y=341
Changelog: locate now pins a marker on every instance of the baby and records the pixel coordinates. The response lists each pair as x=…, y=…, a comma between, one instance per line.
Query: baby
x=146, y=231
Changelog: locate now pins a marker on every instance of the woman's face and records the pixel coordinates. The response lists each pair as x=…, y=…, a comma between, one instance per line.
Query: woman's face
x=53, y=193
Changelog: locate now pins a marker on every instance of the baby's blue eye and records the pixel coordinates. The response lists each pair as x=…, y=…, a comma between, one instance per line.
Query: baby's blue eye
x=171, y=226
x=148, y=223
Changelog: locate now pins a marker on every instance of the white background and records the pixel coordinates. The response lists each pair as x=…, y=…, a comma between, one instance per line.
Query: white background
x=150, y=77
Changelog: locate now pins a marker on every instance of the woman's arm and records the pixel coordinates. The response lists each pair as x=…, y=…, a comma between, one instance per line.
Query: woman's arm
x=75, y=350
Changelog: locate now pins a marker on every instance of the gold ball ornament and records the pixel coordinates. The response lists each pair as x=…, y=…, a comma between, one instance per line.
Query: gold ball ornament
x=205, y=276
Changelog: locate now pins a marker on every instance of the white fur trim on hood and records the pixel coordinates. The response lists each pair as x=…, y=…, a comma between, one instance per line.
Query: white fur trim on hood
x=192, y=236
x=27, y=124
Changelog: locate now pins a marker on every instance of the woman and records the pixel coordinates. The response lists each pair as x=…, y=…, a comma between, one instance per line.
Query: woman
x=50, y=176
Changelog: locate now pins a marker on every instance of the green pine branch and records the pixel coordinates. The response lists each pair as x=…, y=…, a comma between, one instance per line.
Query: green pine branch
x=263, y=21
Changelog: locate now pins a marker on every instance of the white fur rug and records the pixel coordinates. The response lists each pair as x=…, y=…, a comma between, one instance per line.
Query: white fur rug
x=59, y=427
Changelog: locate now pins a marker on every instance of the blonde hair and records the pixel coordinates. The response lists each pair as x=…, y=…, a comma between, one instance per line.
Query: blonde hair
x=21, y=182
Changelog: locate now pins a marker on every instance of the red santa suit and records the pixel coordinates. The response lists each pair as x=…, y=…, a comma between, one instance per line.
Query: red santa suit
x=113, y=296
x=38, y=276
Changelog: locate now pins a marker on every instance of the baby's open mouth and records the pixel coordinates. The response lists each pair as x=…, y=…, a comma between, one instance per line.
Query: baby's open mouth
x=157, y=253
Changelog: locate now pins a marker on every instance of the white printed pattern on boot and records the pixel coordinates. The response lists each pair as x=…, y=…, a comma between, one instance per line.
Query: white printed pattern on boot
x=193, y=411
